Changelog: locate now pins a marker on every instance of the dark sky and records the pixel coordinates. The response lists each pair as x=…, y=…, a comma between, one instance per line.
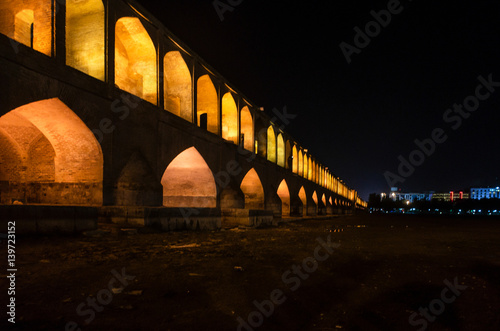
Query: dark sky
x=358, y=118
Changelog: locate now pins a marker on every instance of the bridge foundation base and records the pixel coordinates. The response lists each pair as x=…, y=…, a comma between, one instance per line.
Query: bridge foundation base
x=44, y=219
x=247, y=217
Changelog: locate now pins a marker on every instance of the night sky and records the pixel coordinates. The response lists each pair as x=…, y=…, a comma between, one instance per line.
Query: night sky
x=358, y=118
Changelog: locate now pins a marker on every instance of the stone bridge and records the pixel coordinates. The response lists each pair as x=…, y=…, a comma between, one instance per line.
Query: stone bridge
x=105, y=113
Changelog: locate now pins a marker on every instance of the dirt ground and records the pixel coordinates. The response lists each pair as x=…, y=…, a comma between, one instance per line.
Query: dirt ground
x=363, y=272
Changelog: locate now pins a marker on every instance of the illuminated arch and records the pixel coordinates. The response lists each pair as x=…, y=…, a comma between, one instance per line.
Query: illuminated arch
x=229, y=118
x=207, y=110
x=281, y=151
x=315, y=198
x=321, y=175
x=313, y=170
x=323, y=198
x=288, y=154
x=135, y=59
x=178, y=97
x=304, y=174
x=48, y=155
x=24, y=27
x=301, y=164
x=85, y=37
x=271, y=144
x=302, y=196
x=247, y=129
x=189, y=182
x=261, y=140
x=309, y=168
x=29, y=22
x=295, y=161
x=251, y=186
x=284, y=195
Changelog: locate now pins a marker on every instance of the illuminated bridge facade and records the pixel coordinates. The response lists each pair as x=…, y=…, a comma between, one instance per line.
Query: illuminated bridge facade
x=102, y=107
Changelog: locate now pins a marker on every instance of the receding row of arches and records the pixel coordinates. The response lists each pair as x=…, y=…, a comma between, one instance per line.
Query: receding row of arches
x=136, y=63
x=290, y=155
x=49, y=156
x=165, y=79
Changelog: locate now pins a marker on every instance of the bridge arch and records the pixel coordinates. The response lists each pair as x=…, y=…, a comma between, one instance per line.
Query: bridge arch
x=135, y=59
x=271, y=144
x=28, y=22
x=207, y=109
x=295, y=160
x=178, y=98
x=303, y=196
x=312, y=208
x=252, y=188
x=247, y=131
x=189, y=182
x=48, y=155
x=85, y=37
x=302, y=208
x=301, y=164
x=309, y=168
x=306, y=163
x=281, y=151
x=329, y=206
x=229, y=118
x=288, y=155
x=284, y=195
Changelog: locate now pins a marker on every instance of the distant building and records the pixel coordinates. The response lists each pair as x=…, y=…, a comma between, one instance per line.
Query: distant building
x=485, y=193
x=428, y=196
x=450, y=196
x=412, y=197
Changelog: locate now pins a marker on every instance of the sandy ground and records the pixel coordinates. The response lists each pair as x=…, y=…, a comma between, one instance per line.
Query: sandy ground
x=362, y=272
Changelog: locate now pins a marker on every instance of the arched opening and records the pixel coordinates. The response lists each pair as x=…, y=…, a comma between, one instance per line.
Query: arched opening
x=323, y=198
x=24, y=27
x=313, y=170
x=329, y=206
x=251, y=186
x=229, y=118
x=49, y=156
x=316, y=173
x=247, y=139
x=288, y=155
x=320, y=175
x=261, y=139
x=271, y=144
x=301, y=164
x=189, y=182
x=206, y=107
x=281, y=151
x=28, y=22
x=135, y=59
x=284, y=195
x=85, y=37
x=177, y=86
x=295, y=160
x=309, y=168
x=315, y=198
x=303, y=197
x=304, y=174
